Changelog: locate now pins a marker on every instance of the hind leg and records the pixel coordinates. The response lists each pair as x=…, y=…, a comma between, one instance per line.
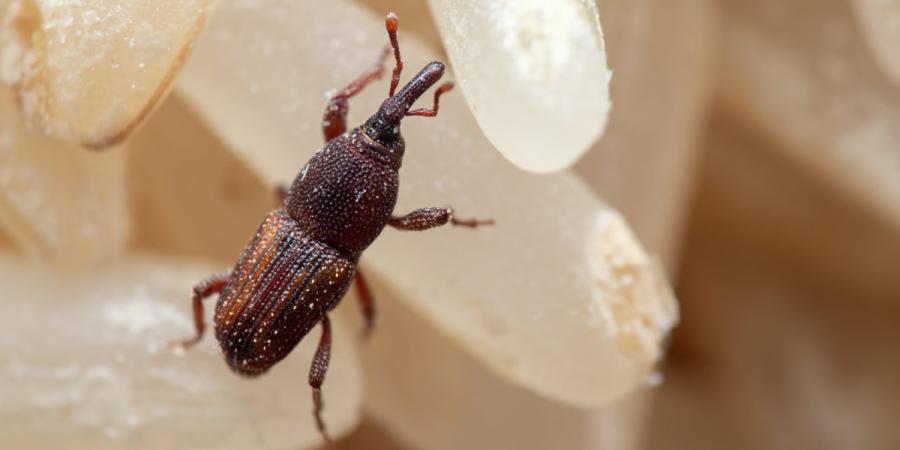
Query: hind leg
x=317, y=375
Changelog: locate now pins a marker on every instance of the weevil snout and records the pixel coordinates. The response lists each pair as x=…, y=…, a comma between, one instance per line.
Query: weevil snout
x=384, y=125
x=427, y=77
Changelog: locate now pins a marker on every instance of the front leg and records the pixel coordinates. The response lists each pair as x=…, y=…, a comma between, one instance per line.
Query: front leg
x=425, y=218
x=334, y=121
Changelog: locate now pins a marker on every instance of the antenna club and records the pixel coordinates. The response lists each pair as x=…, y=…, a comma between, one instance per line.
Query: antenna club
x=391, y=21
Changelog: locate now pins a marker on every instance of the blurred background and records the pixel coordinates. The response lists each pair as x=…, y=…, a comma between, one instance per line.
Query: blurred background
x=753, y=147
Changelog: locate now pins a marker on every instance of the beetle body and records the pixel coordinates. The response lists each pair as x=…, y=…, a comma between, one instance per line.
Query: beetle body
x=301, y=261
x=303, y=257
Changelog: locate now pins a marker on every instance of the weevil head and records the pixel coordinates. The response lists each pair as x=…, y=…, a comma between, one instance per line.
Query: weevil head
x=384, y=126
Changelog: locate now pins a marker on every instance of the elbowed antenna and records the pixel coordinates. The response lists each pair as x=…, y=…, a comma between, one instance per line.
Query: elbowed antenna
x=384, y=125
x=392, y=23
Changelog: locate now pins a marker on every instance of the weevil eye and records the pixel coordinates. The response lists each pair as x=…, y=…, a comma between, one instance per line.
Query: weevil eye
x=382, y=130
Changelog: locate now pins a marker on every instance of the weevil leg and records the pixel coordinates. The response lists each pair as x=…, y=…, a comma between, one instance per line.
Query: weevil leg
x=317, y=375
x=209, y=286
x=366, y=302
x=334, y=121
x=281, y=193
x=425, y=218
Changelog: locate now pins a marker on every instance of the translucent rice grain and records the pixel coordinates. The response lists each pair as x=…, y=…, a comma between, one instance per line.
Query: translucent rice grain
x=533, y=73
x=120, y=386
x=820, y=94
x=59, y=202
x=90, y=72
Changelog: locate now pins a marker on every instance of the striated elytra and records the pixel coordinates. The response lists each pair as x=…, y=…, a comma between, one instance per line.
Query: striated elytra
x=303, y=257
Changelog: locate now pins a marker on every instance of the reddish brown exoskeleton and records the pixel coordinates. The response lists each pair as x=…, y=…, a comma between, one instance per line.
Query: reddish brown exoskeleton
x=303, y=257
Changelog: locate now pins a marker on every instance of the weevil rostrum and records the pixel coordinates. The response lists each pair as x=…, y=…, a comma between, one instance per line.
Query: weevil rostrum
x=303, y=257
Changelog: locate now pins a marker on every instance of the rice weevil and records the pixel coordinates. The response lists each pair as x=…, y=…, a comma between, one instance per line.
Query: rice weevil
x=303, y=257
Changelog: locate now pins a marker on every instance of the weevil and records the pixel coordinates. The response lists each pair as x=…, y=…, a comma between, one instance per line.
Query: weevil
x=303, y=258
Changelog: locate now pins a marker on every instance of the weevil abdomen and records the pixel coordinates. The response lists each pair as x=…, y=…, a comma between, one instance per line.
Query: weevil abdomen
x=280, y=288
